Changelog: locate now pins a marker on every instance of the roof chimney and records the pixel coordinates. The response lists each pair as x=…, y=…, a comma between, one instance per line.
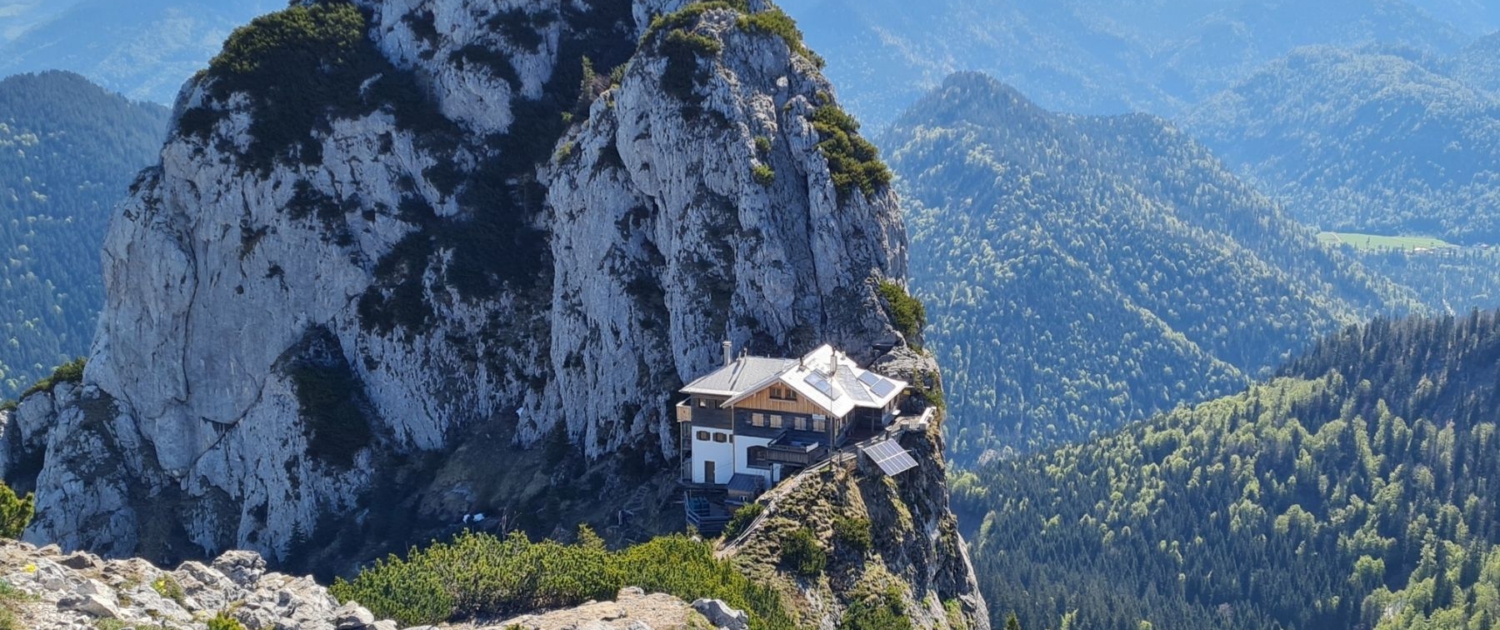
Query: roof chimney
x=728, y=352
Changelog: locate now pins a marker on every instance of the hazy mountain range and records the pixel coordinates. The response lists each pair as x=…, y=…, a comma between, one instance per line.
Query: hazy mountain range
x=1093, y=56
x=144, y=49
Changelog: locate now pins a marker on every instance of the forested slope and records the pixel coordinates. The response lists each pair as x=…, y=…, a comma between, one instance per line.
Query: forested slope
x=1368, y=140
x=1082, y=272
x=68, y=152
x=1356, y=490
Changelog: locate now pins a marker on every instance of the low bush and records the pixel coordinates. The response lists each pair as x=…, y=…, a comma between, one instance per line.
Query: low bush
x=801, y=552
x=479, y=575
x=853, y=533
x=776, y=22
x=906, y=312
x=683, y=50
x=331, y=400
x=742, y=519
x=223, y=621
x=763, y=174
x=70, y=372
x=884, y=611
x=853, y=161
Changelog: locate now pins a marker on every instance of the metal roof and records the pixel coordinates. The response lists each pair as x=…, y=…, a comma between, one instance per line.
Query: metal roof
x=744, y=374
x=890, y=457
x=825, y=377
x=745, y=484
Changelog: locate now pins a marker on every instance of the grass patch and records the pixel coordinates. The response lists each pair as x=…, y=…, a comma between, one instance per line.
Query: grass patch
x=853, y=161
x=1377, y=242
x=166, y=586
x=11, y=601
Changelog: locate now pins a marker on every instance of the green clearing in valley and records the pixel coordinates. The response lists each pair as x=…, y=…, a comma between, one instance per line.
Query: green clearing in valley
x=1375, y=241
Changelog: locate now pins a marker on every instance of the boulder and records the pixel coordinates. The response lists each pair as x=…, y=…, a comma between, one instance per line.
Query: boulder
x=722, y=615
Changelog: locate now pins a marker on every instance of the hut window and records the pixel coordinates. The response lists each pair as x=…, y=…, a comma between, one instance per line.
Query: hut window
x=702, y=436
x=721, y=438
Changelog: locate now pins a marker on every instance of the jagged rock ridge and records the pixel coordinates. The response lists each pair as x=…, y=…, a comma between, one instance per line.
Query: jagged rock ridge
x=438, y=215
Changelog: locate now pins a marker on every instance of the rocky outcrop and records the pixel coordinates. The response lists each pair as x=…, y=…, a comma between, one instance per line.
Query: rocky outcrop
x=81, y=590
x=464, y=224
x=632, y=609
x=890, y=543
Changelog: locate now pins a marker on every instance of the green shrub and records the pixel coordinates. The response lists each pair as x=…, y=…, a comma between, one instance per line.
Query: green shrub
x=294, y=63
x=481, y=575
x=683, y=50
x=15, y=512
x=223, y=621
x=688, y=15
x=742, y=519
x=853, y=161
x=853, y=533
x=764, y=174
x=762, y=146
x=906, y=312
x=776, y=22
x=802, y=553
x=331, y=398
x=686, y=568
x=877, y=612
x=302, y=67
x=70, y=372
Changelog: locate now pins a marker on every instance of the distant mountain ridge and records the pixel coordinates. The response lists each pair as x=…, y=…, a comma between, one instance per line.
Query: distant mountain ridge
x=1081, y=272
x=1367, y=140
x=144, y=49
x=1095, y=56
x=68, y=152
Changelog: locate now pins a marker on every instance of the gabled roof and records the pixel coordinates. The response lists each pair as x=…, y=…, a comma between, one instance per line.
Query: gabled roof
x=739, y=376
x=825, y=377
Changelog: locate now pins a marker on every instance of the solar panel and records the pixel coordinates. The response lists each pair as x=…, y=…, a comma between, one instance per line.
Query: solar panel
x=883, y=387
x=869, y=378
x=890, y=457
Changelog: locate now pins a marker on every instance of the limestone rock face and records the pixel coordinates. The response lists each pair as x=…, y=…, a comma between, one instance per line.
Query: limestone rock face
x=478, y=230
x=79, y=590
